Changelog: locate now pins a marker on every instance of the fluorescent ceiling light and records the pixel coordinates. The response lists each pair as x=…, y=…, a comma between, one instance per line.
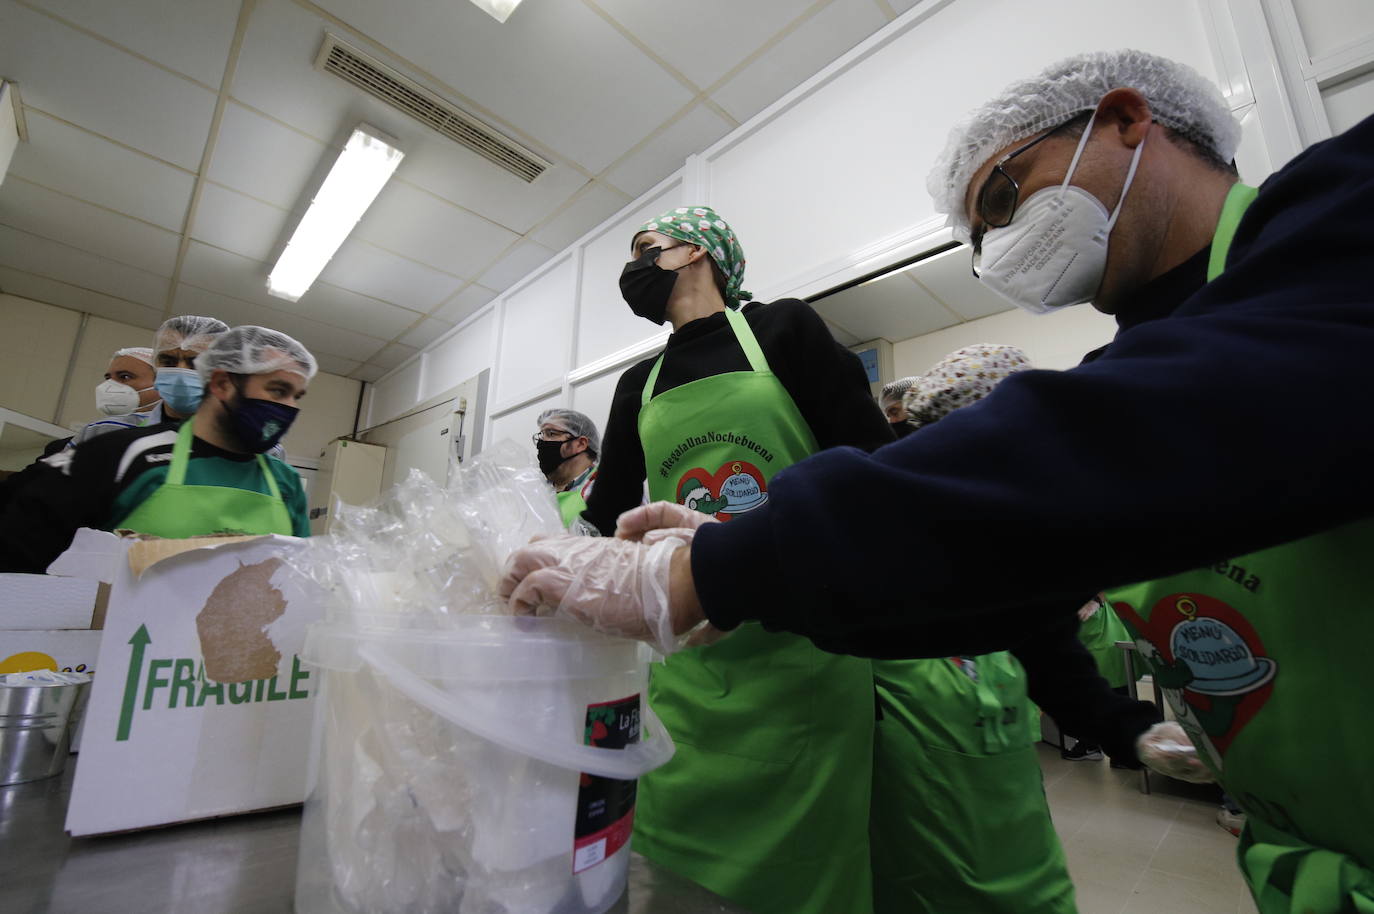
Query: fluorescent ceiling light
x=499, y=10
x=362, y=169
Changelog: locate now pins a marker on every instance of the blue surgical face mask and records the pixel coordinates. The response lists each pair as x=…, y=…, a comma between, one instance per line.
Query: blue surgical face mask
x=181, y=389
x=259, y=424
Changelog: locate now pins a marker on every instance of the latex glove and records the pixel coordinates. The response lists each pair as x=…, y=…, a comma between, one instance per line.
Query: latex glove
x=1165, y=748
x=661, y=520
x=612, y=585
x=633, y=525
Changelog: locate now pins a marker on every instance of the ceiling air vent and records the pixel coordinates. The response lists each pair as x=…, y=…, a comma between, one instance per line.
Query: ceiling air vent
x=376, y=78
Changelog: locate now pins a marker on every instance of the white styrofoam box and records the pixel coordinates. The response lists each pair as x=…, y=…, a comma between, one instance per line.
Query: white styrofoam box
x=46, y=602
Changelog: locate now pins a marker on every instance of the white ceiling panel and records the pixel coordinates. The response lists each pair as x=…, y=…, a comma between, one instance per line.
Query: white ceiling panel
x=227, y=273
x=465, y=303
x=425, y=333
x=369, y=373
x=815, y=43
x=423, y=227
x=893, y=308
x=949, y=278
x=449, y=170
x=392, y=356
x=370, y=270
x=594, y=205
x=40, y=288
x=230, y=220
x=664, y=154
x=76, y=163
x=696, y=45
x=36, y=209
x=267, y=160
x=575, y=103
x=330, y=304
x=317, y=337
x=515, y=265
x=88, y=82
x=335, y=365
x=34, y=254
x=190, y=36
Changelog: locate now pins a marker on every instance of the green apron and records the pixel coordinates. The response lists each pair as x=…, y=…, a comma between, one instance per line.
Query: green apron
x=1262, y=660
x=764, y=802
x=572, y=502
x=960, y=824
x=176, y=510
x=1099, y=635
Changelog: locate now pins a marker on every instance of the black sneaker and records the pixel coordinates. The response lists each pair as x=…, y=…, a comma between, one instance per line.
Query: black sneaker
x=1082, y=752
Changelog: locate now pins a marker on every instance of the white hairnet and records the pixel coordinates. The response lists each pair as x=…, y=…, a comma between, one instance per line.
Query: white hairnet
x=893, y=390
x=1180, y=98
x=188, y=331
x=964, y=376
x=574, y=423
x=255, y=350
x=142, y=353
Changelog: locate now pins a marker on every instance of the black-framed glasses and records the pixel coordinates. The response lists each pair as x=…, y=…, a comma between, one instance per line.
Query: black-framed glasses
x=551, y=434
x=1001, y=193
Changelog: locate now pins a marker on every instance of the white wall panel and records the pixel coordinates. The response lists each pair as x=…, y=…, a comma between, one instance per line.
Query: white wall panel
x=1348, y=102
x=606, y=324
x=1057, y=340
x=593, y=397
x=845, y=166
x=1329, y=25
x=396, y=393
x=518, y=425
x=464, y=355
x=538, y=324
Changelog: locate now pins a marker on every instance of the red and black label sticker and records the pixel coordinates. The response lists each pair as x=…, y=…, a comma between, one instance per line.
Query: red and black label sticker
x=606, y=806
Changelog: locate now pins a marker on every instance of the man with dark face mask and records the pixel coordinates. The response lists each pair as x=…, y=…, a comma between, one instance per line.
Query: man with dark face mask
x=211, y=475
x=567, y=444
x=890, y=401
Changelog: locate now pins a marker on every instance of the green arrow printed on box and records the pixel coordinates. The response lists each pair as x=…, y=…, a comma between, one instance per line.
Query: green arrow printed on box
x=140, y=640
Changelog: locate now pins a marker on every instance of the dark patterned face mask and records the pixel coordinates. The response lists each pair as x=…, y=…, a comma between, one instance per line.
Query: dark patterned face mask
x=259, y=424
x=646, y=287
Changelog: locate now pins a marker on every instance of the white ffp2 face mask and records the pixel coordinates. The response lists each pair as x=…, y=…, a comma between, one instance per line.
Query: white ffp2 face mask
x=115, y=399
x=1054, y=252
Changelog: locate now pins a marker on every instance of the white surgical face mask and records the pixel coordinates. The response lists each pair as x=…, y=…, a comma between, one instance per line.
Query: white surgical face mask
x=115, y=399
x=1054, y=251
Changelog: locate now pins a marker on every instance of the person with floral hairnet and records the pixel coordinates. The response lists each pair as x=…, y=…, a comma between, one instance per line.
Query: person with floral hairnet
x=764, y=800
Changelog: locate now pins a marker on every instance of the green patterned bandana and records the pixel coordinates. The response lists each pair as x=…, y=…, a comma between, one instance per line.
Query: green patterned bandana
x=701, y=226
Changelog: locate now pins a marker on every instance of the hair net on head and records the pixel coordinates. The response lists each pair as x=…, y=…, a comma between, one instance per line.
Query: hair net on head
x=255, y=350
x=893, y=390
x=574, y=423
x=964, y=376
x=142, y=353
x=188, y=331
x=1180, y=98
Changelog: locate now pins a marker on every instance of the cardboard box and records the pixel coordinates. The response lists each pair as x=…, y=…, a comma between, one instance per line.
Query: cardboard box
x=43, y=602
x=68, y=651
x=203, y=707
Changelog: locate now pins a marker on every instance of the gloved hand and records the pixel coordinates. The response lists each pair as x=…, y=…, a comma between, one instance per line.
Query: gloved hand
x=1165, y=748
x=612, y=585
x=661, y=520
x=636, y=525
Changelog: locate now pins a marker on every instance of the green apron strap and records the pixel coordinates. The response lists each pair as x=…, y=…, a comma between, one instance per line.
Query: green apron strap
x=752, y=351
x=1238, y=200
x=181, y=455
x=271, y=479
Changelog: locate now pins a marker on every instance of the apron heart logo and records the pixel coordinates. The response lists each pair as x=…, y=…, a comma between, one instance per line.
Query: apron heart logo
x=736, y=487
x=1210, y=662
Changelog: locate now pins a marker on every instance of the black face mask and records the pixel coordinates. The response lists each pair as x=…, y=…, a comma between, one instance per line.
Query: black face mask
x=646, y=286
x=550, y=455
x=902, y=429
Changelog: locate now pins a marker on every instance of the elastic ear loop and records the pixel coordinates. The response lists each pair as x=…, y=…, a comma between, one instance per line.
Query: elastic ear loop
x=1130, y=173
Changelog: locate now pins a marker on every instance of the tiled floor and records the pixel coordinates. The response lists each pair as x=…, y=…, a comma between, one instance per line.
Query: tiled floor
x=1130, y=853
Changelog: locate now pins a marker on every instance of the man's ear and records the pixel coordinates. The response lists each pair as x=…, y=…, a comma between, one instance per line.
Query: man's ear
x=1127, y=113
x=221, y=385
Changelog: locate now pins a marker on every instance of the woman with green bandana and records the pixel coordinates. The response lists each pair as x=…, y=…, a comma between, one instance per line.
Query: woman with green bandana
x=765, y=800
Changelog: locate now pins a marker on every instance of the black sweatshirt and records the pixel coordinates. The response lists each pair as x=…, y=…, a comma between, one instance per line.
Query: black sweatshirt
x=1236, y=422
x=824, y=379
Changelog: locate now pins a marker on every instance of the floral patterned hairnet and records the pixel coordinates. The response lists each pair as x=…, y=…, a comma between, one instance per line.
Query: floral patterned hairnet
x=960, y=378
x=701, y=226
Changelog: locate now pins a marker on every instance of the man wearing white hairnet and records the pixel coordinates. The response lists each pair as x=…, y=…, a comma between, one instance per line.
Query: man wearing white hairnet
x=567, y=445
x=1234, y=481
x=211, y=475
x=176, y=345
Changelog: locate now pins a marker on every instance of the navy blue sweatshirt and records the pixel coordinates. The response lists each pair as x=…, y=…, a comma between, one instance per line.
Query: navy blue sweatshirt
x=1237, y=420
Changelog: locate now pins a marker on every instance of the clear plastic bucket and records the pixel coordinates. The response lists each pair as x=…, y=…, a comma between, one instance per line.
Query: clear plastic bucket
x=451, y=773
